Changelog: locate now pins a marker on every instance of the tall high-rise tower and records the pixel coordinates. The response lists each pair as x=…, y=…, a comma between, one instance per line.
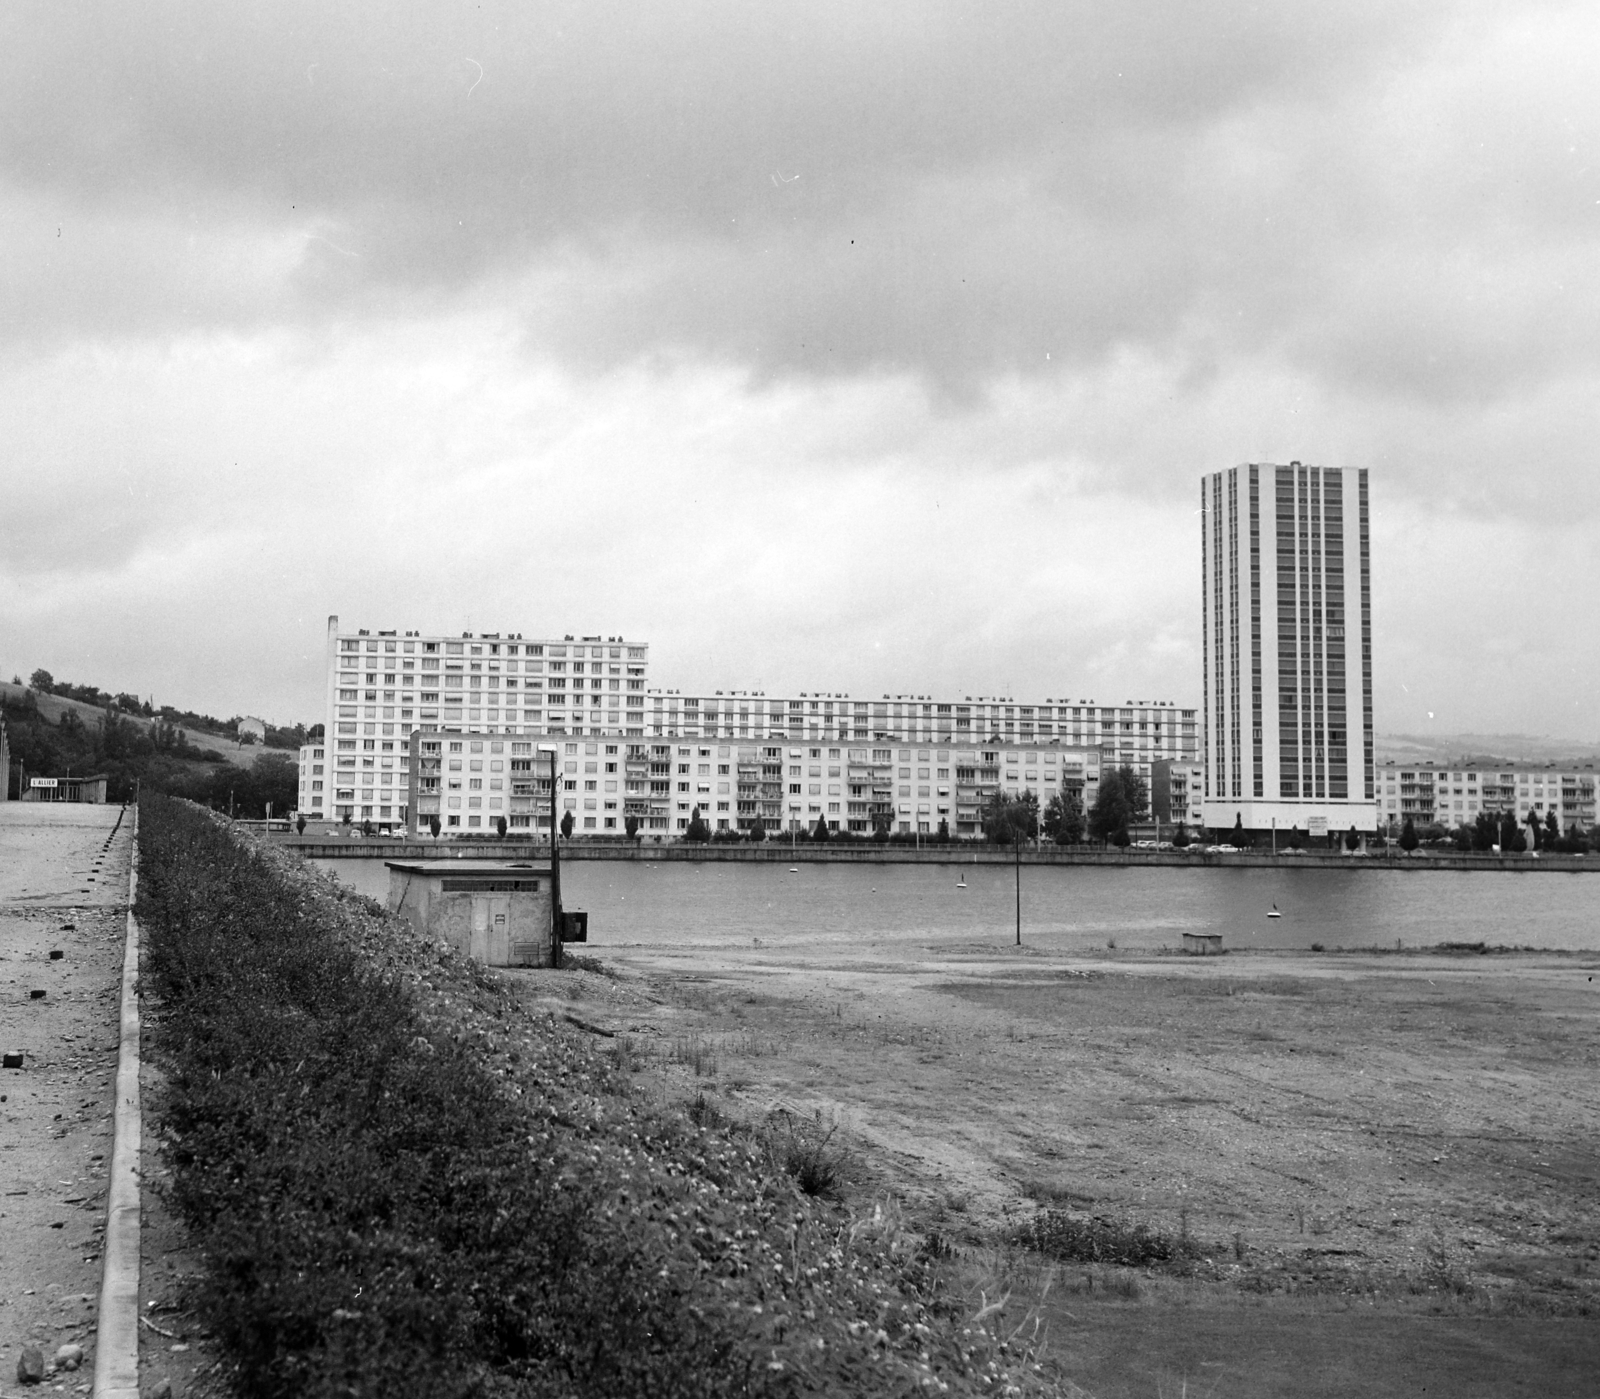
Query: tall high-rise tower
x=1287, y=630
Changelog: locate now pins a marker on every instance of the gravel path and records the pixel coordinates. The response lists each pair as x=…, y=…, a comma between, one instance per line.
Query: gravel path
x=63, y=888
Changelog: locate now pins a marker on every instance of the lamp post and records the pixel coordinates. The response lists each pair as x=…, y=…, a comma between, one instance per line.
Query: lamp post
x=1016, y=846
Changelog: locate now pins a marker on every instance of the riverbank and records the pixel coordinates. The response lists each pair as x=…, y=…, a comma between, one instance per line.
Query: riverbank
x=773, y=853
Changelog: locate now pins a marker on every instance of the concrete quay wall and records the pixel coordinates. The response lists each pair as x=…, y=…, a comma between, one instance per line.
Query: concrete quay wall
x=776, y=853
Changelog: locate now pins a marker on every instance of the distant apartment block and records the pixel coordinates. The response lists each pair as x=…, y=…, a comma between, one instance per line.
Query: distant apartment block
x=1454, y=796
x=1286, y=737
x=641, y=752
x=1136, y=732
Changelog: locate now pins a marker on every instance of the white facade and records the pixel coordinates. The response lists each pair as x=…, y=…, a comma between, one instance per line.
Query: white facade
x=787, y=785
x=1286, y=733
x=384, y=685
x=1455, y=796
x=1136, y=732
x=314, y=792
x=590, y=693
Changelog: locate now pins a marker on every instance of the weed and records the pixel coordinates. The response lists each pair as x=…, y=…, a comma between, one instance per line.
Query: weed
x=808, y=1155
x=625, y=1054
x=704, y=1113
x=693, y=1051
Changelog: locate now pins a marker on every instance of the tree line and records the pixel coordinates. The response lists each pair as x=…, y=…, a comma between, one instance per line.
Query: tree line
x=1502, y=831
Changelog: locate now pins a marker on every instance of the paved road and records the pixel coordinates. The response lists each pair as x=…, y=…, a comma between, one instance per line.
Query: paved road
x=61, y=889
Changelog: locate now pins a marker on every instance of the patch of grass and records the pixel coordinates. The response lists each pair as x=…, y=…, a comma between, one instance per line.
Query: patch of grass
x=1072, y=1239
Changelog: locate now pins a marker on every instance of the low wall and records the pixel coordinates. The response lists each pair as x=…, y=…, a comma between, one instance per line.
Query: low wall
x=775, y=853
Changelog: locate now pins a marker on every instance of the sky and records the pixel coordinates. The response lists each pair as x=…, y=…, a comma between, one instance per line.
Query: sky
x=843, y=347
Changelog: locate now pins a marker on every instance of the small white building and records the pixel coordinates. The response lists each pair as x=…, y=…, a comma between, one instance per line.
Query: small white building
x=253, y=729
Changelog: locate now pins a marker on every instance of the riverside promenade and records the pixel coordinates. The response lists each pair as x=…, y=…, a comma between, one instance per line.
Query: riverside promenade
x=777, y=852
x=63, y=919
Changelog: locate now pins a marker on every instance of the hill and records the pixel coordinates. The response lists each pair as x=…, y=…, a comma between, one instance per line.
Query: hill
x=53, y=736
x=52, y=707
x=1484, y=750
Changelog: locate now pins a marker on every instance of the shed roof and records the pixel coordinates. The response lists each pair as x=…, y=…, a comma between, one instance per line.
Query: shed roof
x=457, y=868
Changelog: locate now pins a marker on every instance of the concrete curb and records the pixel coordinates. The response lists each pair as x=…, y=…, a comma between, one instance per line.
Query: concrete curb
x=116, y=1350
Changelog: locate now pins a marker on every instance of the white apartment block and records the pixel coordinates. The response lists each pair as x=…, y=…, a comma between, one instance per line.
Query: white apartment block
x=384, y=685
x=1286, y=738
x=1454, y=796
x=1137, y=732
x=315, y=798
x=641, y=752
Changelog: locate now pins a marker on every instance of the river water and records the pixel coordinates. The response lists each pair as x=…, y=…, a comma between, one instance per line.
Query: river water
x=1064, y=908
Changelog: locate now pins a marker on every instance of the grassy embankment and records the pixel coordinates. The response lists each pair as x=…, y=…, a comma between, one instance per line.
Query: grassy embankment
x=404, y=1181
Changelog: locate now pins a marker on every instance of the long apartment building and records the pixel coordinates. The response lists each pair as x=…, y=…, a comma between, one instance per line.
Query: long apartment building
x=1287, y=645
x=1136, y=732
x=470, y=781
x=1450, y=796
x=590, y=692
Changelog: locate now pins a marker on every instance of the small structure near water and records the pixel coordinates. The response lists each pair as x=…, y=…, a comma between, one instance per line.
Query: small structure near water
x=499, y=912
x=1202, y=944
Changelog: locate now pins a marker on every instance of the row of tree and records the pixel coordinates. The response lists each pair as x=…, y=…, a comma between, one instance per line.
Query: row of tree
x=1502, y=831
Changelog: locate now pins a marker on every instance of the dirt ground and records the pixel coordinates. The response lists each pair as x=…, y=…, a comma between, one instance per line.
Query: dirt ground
x=62, y=888
x=1393, y=1160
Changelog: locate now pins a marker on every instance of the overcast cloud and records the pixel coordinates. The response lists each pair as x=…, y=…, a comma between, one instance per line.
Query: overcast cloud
x=823, y=346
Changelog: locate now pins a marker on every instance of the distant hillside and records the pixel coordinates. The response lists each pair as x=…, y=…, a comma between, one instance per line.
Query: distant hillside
x=1483, y=749
x=52, y=707
x=52, y=736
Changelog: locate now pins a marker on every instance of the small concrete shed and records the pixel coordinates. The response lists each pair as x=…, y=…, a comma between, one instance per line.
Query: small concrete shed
x=498, y=912
x=1202, y=944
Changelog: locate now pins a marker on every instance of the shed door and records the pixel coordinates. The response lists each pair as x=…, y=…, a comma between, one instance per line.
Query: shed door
x=499, y=930
x=479, y=949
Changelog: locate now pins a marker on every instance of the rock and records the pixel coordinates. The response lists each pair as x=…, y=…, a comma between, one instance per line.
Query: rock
x=69, y=1356
x=161, y=1389
x=30, y=1365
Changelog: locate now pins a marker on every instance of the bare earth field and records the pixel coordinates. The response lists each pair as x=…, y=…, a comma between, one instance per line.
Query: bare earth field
x=1393, y=1161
